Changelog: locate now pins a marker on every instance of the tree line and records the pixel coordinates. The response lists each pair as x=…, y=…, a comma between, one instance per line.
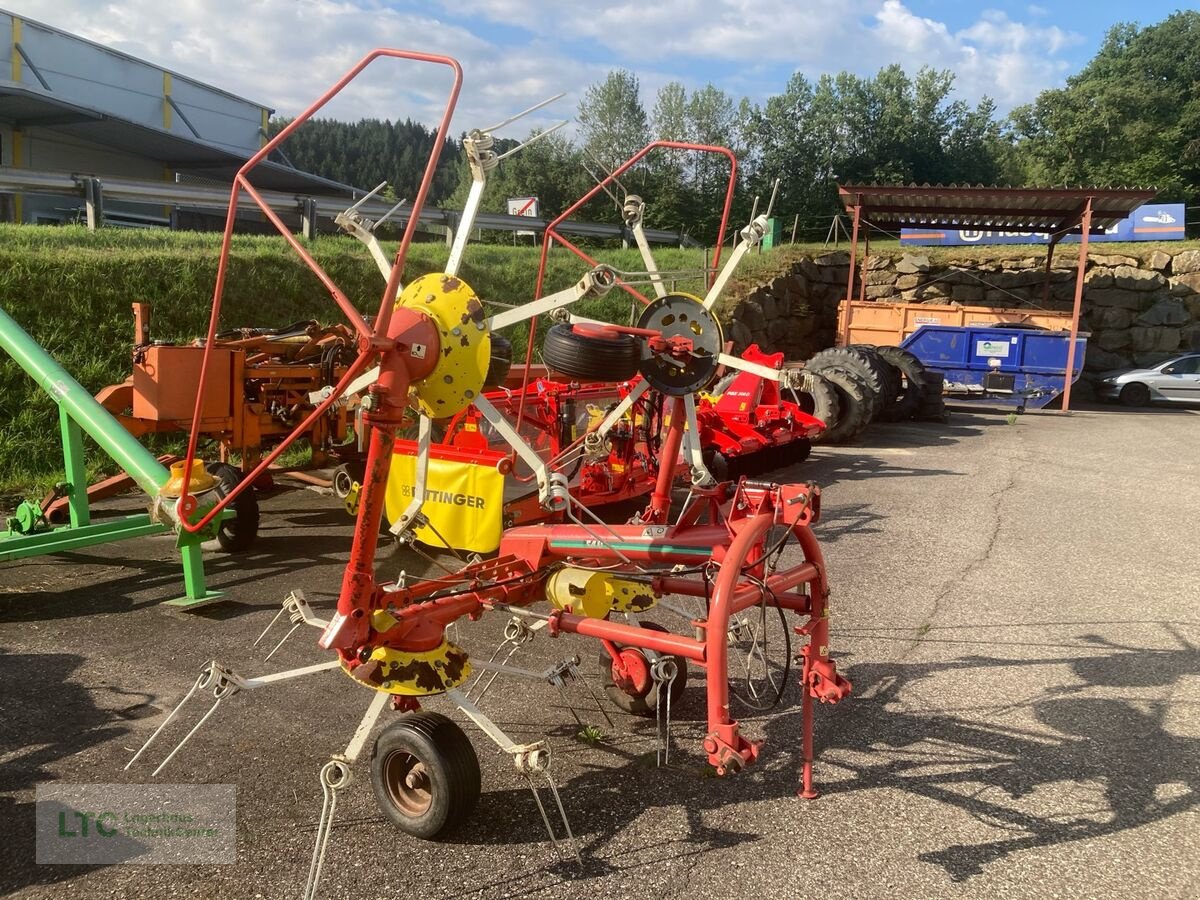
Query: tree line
x=1130, y=117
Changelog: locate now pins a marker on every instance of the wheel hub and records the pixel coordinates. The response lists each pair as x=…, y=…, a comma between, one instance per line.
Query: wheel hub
x=682, y=318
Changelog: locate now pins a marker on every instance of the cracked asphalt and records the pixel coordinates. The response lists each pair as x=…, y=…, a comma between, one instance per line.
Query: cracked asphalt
x=1016, y=606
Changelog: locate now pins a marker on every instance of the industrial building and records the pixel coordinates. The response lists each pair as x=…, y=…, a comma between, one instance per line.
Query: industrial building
x=74, y=109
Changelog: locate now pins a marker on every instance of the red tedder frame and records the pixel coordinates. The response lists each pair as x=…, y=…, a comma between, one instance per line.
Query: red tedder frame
x=551, y=233
x=373, y=339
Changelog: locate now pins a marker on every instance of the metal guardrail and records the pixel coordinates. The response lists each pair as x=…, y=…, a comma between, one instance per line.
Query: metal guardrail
x=93, y=191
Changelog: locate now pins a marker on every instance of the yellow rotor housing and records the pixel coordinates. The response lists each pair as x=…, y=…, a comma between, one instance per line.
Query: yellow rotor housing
x=466, y=343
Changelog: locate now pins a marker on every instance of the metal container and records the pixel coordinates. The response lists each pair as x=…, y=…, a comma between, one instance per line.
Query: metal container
x=1020, y=367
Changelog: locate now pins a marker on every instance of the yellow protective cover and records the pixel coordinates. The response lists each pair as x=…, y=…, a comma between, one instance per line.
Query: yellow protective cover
x=464, y=502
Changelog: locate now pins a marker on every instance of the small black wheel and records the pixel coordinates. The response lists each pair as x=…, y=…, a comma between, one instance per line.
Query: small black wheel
x=501, y=362
x=1135, y=394
x=717, y=464
x=591, y=357
x=643, y=701
x=797, y=451
x=344, y=477
x=239, y=531
x=425, y=774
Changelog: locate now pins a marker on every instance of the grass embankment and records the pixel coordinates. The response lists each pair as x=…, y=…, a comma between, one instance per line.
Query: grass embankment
x=71, y=289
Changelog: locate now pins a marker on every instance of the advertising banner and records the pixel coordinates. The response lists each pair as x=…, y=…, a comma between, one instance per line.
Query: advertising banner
x=1152, y=222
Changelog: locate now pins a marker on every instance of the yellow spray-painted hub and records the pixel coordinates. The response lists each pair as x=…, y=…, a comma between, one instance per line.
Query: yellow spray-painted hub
x=419, y=673
x=594, y=594
x=466, y=342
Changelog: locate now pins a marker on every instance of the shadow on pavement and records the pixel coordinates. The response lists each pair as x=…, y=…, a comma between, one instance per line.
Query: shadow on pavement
x=1114, y=752
x=44, y=718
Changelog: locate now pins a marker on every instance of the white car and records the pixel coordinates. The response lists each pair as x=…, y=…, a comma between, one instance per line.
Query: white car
x=1177, y=380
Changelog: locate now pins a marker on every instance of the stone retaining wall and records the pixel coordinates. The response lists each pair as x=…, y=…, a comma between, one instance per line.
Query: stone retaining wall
x=1139, y=311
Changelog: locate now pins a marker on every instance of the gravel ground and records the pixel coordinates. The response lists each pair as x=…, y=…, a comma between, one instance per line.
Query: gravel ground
x=1015, y=605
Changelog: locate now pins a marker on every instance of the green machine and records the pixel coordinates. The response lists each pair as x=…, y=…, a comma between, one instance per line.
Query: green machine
x=28, y=531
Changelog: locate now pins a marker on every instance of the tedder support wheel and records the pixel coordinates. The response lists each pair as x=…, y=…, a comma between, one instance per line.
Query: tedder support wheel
x=591, y=357
x=425, y=774
x=238, y=531
x=641, y=698
x=1135, y=394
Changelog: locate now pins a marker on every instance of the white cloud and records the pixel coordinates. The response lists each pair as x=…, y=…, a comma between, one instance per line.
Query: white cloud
x=284, y=53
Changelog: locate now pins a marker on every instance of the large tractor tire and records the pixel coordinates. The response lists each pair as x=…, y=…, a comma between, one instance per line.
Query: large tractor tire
x=868, y=368
x=889, y=373
x=913, y=391
x=590, y=357
x=819, y=398
x=854, y=405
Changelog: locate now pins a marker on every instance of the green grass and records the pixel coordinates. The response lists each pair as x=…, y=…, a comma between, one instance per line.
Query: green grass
x=71, y=289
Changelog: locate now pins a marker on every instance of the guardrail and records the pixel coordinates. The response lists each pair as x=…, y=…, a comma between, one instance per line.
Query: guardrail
x=93, y=191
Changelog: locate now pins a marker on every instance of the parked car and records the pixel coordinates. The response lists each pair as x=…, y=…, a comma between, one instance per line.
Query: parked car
x=1176, y=380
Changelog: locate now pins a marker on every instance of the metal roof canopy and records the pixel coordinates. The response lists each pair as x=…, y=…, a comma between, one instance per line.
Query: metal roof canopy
x=1057, y=212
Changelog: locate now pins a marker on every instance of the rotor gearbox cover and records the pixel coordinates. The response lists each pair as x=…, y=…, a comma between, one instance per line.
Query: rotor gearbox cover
x=466, y=349
x=414, y=673
x=682, y=316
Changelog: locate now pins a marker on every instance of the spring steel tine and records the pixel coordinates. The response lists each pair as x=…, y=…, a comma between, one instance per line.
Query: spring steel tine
x=334, y=776
x=537, y=797
x=283, y=609
x=212, y=709
x=281, y=640
x=563, y=813
x=204, y=673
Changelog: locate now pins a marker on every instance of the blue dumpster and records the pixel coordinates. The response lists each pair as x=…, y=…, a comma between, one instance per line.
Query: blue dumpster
x=998, y=365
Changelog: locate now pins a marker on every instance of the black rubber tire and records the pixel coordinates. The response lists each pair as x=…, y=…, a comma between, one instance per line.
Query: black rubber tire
x=647, y=705
x=797, y=451
x=854, y=405
x=501, y=361
x=591, y=358
x=1135, y=394
x=450, y=774
x=912, y=392
x=236, y=533
x=716, y=463
x=869, y=369
x=344, y=477
x=822, y=402
x=889, y=373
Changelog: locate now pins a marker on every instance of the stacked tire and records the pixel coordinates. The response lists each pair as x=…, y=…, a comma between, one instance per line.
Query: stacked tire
x=848, y=388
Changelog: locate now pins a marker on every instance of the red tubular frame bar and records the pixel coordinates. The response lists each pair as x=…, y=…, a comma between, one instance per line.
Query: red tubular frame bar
x=551, y=233
x=372, y=339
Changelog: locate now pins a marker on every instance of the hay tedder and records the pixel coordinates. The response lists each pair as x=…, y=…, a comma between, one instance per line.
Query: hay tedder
x=732, y=550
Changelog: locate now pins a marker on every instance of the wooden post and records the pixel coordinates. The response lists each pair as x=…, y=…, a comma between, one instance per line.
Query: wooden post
x=1083, y=254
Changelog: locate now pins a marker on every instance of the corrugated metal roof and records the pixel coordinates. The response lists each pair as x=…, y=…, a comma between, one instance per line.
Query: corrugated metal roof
x=990, y=208
x=30, y=107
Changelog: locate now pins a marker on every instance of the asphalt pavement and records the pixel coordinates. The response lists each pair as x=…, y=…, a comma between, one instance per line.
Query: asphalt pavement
x=1015, y=604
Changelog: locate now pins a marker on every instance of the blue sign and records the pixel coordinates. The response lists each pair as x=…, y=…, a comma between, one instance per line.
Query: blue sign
x=1153, y=222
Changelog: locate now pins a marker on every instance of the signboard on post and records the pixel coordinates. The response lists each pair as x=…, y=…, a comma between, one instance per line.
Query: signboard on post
x=523, y=206
x=1152, y=222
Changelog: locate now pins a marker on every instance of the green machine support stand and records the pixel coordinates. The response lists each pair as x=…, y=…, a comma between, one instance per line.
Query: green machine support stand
x=30, y=535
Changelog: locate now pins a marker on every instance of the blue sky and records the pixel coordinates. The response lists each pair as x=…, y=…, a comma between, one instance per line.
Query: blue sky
x=516, y=52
